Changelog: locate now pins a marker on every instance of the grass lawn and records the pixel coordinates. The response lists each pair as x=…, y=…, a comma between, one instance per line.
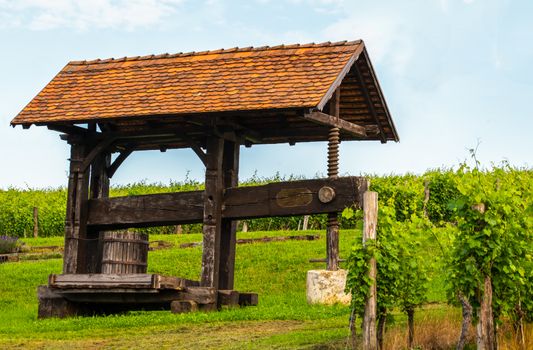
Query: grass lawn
x=275, y=270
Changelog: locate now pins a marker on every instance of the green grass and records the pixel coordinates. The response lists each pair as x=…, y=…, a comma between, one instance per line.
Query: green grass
x=275, y=270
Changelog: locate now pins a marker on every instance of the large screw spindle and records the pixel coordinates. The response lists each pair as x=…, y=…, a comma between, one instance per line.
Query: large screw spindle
x=332, y=231
x=333, y=153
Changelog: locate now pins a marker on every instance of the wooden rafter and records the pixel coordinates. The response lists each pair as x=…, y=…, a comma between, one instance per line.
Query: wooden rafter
x=368, y=100
x=333, y=122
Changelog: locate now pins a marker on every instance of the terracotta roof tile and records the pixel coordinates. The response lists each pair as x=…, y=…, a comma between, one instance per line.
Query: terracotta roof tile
x=291, y=76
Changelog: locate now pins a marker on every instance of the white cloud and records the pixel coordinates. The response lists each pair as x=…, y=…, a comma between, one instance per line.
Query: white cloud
x=384, y=35
x=82, y=14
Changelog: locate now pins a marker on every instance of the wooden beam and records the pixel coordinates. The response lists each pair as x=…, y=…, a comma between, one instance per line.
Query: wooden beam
x=212, y=213
x=230, y=168
x=147, y=210
x=76, y=216
x=98, y=188
x=199, y=152
x=118, y=162
x=95, y=151
x=292, y=198
x=333, y=122
x=276, y=199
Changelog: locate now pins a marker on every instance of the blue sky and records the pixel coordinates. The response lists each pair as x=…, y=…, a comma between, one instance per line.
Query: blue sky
x=454, y=72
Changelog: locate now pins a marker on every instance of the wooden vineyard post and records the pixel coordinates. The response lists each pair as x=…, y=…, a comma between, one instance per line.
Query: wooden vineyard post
x=486, y=339
x=212, y=218
x=35, y=222
x=228, y=239
x=370, y=212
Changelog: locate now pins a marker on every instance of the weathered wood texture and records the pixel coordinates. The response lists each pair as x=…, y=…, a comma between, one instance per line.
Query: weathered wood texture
x=147, y=210
x=76, y=216
x=248, y=299
x=227, y=298
x=335, y=122
x=52, y=304
x=118, y=281
x=370, y=216
x=486, y=339
x=292, y=198
x=212, y=213
x=276, y=199
x=124, y=252
x=230, y=173
x=99, y=188
x=183, y=306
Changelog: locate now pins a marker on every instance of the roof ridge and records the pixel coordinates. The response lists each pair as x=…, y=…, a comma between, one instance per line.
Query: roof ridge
x=218, y=51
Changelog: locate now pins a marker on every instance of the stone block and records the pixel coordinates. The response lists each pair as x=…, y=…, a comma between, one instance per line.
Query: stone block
x=327, y=287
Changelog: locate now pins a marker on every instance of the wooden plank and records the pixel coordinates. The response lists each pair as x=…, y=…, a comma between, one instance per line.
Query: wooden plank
x=212, y=213
x=139, y=280
x=230, y=169
x=333, y=122
x=276, y=199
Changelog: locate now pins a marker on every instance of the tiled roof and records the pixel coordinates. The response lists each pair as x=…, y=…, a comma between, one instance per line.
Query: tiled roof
x=237, y=79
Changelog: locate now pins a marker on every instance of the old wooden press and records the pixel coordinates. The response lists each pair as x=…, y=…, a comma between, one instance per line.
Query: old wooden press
x=212, y=102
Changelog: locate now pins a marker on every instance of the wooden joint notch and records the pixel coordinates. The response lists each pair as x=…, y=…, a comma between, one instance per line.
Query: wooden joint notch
x=333, y=122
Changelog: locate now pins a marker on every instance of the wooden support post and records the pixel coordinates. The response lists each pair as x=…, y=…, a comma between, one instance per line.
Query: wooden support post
x=332, y=231
x=35, y=222
x=212, y=218
x=230, y=169
x=75, y=223
x=99, y=188
x=370, y=216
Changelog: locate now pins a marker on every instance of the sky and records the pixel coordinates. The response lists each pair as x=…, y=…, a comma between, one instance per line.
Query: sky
x=455, y=74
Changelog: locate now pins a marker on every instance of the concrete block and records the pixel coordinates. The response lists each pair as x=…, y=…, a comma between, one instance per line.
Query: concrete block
x=327, y=287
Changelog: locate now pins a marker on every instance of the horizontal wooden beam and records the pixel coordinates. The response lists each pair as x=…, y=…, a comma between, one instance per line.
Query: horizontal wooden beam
x=146, y=210
x=331, y=121
x=292, y=198
x=276, y=199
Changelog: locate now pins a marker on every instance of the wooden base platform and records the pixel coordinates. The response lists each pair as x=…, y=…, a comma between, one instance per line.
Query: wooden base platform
x=89, y=294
